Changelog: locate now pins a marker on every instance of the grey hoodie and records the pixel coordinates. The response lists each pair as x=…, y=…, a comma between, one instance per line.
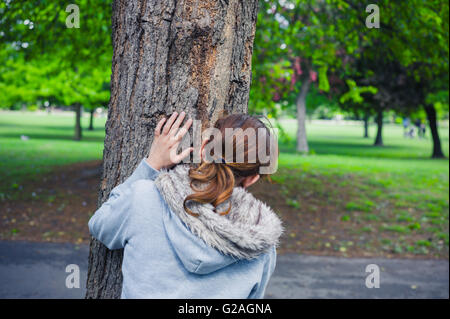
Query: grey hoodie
x=171, y=254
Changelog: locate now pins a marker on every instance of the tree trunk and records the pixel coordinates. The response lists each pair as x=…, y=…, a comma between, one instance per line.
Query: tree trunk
x=302, y=141
x=91, y=120
x=366, y=125
x=432, y=120
x=379, y=138
x=78, y=132
x=192, y=56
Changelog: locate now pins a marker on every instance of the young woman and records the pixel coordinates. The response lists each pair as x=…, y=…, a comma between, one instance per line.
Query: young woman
x=192, y=231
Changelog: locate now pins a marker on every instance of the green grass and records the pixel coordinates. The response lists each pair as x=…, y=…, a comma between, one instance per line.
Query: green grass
x=401, y=170
x=342, y=146
x=398, y=188
x=337, y=149
x=50, y=144
x=403, y=165
x=395, y=192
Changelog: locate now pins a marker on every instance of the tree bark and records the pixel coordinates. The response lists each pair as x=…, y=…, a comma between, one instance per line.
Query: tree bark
x=78, y=130
x=432, y=121
x=379, y=137
x=366, y=125
x=302, y=141
x=169, y=55
x=91, y=120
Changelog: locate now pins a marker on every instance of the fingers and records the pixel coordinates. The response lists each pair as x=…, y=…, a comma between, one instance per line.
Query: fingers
x=183, y=155
x=177, y=123
x=182, y=132
x=158, y=127
x=169, y=123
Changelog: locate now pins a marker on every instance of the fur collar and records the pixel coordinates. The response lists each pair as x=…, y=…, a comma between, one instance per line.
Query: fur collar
x=251, y=228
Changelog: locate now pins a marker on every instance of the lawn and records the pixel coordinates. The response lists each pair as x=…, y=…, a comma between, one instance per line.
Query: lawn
x=392, y=199
x=50, y=143
x=348, y=198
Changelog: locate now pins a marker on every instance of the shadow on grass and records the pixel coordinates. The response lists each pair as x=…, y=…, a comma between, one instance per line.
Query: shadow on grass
x=59, y=137
x=49, y=127
x=356, y=150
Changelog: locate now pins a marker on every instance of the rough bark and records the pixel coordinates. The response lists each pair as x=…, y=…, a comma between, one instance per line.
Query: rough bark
x=78, y=131
x=169, y=55
x=379, y=120
x=302, y=141
x=432, y=121
x=91, y=120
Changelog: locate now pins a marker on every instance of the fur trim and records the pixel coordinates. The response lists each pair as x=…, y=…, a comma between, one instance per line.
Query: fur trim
x=251, y=228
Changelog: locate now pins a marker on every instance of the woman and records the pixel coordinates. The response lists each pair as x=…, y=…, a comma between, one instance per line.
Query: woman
x=192, y=231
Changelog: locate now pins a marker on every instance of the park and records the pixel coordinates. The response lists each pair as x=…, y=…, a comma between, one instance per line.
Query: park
x=361, y=116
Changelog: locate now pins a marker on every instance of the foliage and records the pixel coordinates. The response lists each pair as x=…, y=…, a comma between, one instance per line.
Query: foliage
x=296, y=41
x=406, y=59
x=362, y=67
x=44, y=60
x=354, y=93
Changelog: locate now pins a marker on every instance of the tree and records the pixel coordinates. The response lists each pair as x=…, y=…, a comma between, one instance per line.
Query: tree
x=422, y=47
x=97, y=99
x=413, y=37
x=377, y=85
x=356, y=99
x=300, y=43
x=436, y=103
x=48, y=59
x=168, y=55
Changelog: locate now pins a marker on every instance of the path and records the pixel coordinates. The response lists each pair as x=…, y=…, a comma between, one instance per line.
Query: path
x=37, y=270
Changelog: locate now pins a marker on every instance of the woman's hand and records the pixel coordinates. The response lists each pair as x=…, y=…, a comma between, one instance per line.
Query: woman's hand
x=163, y=152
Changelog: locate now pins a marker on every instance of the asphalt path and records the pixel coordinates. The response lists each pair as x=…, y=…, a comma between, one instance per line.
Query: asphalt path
x=40, y=270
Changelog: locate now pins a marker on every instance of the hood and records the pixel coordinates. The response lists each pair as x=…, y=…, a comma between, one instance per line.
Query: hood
x=250, y=229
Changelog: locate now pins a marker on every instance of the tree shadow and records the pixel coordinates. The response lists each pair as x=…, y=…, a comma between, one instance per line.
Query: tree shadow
x=355, y=150
x=41, y=136
x=51, y=127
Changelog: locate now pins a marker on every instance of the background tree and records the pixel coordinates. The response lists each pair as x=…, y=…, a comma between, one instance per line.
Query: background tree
x=356, y=99
x=300, y=41
x=97, y=99
x=413, y=37
x=49, y=59
x=192, y=56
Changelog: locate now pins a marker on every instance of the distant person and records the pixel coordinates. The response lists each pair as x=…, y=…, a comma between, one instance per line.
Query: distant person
x=418, y=124
x=406, y=126
x=423, y=129
x=411, y=132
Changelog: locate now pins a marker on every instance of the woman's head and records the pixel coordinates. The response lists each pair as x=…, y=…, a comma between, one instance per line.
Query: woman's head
x=244, y=145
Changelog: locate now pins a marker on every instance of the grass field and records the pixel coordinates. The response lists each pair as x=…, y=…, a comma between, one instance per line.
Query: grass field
x=392, y=198
x=50, y=143
x=348, y=196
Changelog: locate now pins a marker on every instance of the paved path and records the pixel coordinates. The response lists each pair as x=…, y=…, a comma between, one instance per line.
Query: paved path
x=37, y=270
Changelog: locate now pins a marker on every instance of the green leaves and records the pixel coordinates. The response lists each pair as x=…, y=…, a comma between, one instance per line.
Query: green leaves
x=43, y=59
x=312, y=31
x=354, y=92
x=323, y=79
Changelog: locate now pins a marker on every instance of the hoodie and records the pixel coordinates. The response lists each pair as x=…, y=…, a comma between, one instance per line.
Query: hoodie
x=171, y=254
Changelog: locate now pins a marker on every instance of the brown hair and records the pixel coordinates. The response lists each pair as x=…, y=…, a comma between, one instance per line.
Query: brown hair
x=213, y=182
